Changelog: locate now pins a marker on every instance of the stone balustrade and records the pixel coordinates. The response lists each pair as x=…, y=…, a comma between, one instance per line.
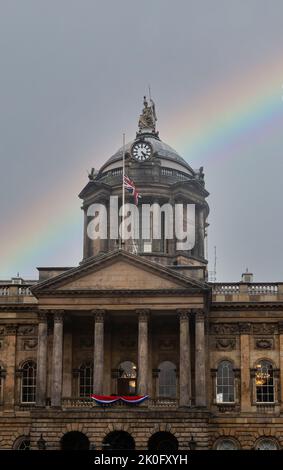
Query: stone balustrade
x=250, y=290
x=16, y=291
x=164, y=403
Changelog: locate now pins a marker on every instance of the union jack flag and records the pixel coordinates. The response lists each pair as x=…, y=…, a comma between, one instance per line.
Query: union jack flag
x=130, y=186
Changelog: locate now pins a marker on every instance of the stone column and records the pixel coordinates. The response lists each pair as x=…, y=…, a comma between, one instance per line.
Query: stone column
x=98, y=360
x=10, y=362
x=41, y=369
x=67, y=360
x=280, y=398
x=200, y=368
x=200, y=231
x=57, y=360
x=143, y=316
x=185, y=360
x=245, y=329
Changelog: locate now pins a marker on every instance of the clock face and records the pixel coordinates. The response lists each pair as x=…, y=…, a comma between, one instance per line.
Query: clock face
x=141, y=151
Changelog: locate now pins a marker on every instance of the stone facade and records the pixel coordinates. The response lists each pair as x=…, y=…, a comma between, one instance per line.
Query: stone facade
x=193, y=326
x=208, y=355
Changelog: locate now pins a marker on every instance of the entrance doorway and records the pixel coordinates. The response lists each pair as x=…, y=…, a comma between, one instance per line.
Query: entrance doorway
x=127, y=380
x=118, y=440
x=163, y=442
x=74, y=440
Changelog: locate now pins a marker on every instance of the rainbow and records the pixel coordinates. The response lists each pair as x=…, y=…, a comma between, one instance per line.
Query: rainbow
x=215, y=126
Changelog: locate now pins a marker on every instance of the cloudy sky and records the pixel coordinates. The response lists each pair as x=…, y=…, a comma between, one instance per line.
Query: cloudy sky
x=73, y=74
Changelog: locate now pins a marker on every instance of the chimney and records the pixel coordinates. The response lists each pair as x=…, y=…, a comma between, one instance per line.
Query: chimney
x=247, y=277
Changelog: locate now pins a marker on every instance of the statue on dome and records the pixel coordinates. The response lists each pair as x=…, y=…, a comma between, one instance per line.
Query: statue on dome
x=148, y=117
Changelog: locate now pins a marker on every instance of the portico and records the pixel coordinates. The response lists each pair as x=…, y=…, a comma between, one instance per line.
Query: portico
x=151, y=327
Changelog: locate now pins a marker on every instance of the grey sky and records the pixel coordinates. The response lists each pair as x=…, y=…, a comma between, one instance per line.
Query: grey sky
x=73, y=74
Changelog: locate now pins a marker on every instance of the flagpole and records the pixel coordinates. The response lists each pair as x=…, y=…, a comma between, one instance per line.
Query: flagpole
x=123, y=192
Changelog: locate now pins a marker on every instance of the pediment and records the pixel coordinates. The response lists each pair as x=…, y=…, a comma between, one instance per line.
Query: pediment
x=118, y=271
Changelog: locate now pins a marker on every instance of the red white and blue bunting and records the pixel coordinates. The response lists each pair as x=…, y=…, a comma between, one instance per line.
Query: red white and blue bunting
x=109, y=399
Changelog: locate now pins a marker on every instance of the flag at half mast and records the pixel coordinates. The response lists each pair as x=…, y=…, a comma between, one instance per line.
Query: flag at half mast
x=131, y=188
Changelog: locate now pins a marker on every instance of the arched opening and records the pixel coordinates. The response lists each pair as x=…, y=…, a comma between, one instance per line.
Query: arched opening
x=226, y=443
x=127, y=379
x=22, y=443
x=74, y=440
x=163, y=442
x=167, y=380
x=118, y=440
x=266, y=443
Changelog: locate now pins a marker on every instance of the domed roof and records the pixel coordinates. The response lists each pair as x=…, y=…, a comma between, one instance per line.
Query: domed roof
x=167, y=155
x=160, y=149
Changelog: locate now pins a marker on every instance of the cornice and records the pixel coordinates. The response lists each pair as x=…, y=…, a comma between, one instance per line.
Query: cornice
x=19, y=307
x=121, y=293
x=216, y=306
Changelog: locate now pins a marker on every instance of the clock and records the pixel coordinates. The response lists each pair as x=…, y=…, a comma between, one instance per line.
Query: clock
x=141, y=151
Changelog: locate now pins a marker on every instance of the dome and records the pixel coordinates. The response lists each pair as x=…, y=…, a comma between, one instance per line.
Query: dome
x=168, y=156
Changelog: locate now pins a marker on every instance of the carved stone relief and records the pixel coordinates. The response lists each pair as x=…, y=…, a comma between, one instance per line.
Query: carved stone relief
x=224, y=328
x=167, y=344
x=264, y=328
x=225, y=344
x=264, y=343
x=28, y=344
x=27, y=330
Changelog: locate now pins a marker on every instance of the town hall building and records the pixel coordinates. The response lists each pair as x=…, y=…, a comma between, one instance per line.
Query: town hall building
x=139, y=318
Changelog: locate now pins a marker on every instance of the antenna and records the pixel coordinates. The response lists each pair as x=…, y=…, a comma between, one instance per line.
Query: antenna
x=212, y=274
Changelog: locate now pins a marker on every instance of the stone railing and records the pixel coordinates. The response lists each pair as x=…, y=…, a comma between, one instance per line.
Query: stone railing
x=15, y=290
x=260, y=288
x=224, y=289
x=162, y=403
x=76, y=403
x=4, y=290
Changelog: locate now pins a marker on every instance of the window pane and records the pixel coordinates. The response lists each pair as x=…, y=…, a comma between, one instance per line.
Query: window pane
x=225, y=383
x=86, y=380
x=167, y=379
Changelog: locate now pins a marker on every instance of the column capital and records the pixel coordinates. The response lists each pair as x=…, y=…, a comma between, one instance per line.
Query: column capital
x=99, y=315
x=183, y=314
x=199, y=314
x=42, y=316
x=11, y=329
x=143, y=314
x=245, y=328
x=58, y=316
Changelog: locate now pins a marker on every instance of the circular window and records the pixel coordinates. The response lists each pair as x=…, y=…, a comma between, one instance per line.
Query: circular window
x=226, y=444
x=266, y=444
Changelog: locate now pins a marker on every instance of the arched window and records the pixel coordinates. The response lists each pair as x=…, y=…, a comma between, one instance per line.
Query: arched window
x=264, y=382
x=226, y=443
x=265, y=443
x=167, y=379
x=22, y=443
x=225, y=383
x=127, y=378
x=86, y=380
x=28, y=382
